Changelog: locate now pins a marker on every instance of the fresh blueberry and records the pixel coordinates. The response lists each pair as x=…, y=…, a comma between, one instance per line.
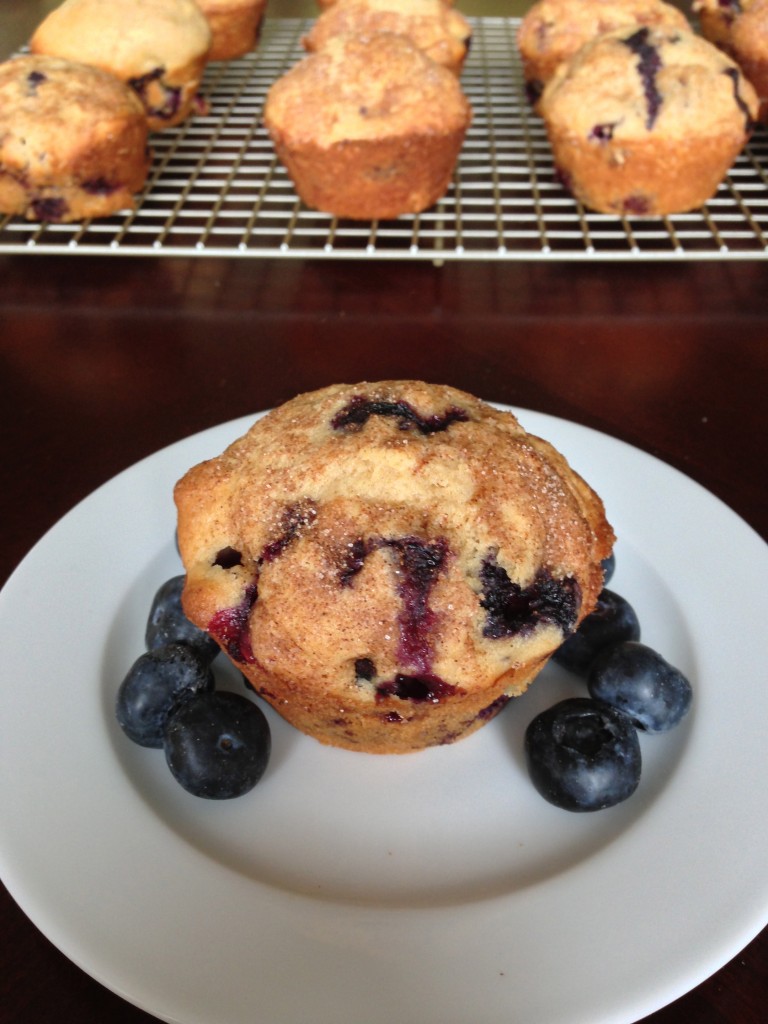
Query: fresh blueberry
x=157, y=683
x=583, y=755
x=614, y=619
x=167, y=623
x=218, y=745
x=609, y=568
x=638, y=681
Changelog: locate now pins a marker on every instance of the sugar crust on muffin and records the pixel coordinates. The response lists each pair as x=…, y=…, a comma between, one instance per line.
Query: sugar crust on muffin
x=740, y=29
x=552, y=31
x=388, y=563
x=439, y=31
x=647, y=122
x=73, y=140
x=368, y=128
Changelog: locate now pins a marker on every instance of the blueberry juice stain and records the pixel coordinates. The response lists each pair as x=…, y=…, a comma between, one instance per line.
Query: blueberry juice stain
x=230, y=625
x=418, y=565
x=648, y=66
x=359, y=410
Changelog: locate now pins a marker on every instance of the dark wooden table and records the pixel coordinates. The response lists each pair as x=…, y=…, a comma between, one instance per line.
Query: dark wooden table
x=103, y=361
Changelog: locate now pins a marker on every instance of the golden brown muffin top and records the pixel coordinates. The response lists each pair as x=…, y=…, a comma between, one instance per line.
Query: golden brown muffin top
x=357, y=88
x=127, y=37
x=378, y=463
x=635, y=83
x=749, y=31
x=441, y=32
x=553, y=30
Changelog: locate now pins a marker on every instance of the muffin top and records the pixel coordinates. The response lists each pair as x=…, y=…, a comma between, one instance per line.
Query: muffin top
x=554, y=30
x=365, y=88
x=749, y=30
x=227, y=6
x=127, y=37
x=637, y=83
x=54, y=106
x=439, y=31
x=406, y=524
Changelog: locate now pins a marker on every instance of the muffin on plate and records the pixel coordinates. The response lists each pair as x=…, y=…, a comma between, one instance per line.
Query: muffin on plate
x=647, y=122
x=235, y=26
x=553, y=30
x=368, y=128
x=389, y=563
x=439, y=31
x=73, y=140
x=740, y=29
x=159, y=47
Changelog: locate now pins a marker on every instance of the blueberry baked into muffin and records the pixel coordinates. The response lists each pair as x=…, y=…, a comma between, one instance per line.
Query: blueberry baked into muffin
x=159, y=47
x=73, y=140
x=368, y=128
x=439, y=31
x=740, y=29
x=552, y=31
x=389, y=563
x=647, y=122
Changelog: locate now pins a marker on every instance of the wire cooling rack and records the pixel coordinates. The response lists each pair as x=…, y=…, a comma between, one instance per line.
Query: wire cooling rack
x=216, y=187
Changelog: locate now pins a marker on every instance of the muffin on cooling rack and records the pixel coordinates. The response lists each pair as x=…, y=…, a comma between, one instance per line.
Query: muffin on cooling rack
x=159, y=47
x=647, y=122
x=740, y=28
x=73, y=140
x=235, y=26
x=553, y=30
x=389, y=563
x=368, y=128
x=441, y=32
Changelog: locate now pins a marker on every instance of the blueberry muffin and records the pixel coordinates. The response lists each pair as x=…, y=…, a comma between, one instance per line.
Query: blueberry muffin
x=647, y=122
x=439, y=31
x=73, y=140
x=159, y=47
x=235, y=26
x=553, y=30
x=368, y=128
x=388, y=564
x=740, y=29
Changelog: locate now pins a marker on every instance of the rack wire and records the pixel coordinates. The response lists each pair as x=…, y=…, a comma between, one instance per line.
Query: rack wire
x=216, y=187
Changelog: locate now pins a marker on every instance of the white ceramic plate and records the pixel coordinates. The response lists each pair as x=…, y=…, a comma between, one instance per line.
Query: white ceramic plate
x=434, y=888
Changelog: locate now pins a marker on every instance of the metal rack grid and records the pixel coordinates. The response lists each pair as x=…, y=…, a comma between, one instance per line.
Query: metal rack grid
x=217, y=189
